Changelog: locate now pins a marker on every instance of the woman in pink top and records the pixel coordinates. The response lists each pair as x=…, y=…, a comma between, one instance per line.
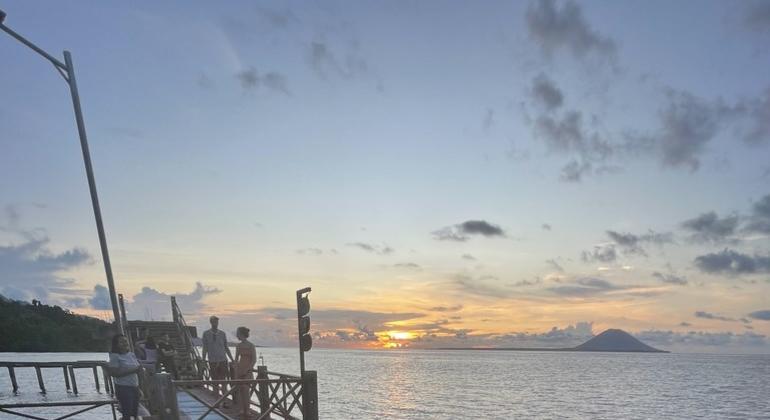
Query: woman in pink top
x=245, y=358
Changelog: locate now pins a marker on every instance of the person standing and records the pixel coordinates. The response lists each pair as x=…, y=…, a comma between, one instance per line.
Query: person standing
x=123, y=367
x=150, y=359
x=215, y=347
x=167, y=356
x=245, y=358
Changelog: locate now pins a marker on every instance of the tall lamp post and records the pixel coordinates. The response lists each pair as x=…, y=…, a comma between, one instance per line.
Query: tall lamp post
x=67, y=71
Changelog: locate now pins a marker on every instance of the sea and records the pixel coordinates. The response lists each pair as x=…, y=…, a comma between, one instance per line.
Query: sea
x=477, y=384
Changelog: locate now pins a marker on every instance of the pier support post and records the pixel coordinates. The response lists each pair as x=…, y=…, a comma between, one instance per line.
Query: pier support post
x=12, y=374
x=66, y=377
x=262, y=390
x=309, y=395
x=40, y=379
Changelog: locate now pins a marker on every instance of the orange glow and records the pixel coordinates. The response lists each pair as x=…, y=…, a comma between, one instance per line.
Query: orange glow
x=401, y=335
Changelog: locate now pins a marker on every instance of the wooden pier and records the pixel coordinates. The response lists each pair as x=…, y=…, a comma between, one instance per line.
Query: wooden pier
x=270, y=395
x=71, y=400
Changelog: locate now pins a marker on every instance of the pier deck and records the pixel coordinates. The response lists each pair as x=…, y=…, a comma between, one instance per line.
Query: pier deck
x=191, y=408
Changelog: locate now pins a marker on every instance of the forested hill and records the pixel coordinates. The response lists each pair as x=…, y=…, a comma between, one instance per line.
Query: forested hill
x=35, y=327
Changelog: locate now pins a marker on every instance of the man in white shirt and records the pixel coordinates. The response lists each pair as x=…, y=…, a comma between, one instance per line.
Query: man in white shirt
x=215, y=347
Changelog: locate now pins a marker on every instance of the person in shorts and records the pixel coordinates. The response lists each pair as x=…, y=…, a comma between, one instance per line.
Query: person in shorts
x=215, y=347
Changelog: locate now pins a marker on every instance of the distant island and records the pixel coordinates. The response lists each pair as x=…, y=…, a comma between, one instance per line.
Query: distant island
x=612, y=340
x=36, y=327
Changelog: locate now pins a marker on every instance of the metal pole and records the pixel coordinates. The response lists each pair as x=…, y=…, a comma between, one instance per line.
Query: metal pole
x=92, y=187
x=68, y=68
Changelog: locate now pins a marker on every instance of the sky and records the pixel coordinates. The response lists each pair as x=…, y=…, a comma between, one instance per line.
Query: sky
x=442, y=174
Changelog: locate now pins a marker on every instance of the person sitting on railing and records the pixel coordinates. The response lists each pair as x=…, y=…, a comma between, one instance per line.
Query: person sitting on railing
x=124, y=367
x=150, y=359
x=215, y=347
x=167, y=356
x=245, y=358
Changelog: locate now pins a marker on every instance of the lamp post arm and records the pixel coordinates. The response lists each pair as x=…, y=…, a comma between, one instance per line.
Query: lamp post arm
x=56, y=63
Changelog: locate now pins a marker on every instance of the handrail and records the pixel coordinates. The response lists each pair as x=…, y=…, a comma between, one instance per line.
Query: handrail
x=68, y=371
x=280, y=397
x=184, y=331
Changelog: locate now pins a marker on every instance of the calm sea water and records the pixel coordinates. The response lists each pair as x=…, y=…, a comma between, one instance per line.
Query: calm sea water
x=427, y=384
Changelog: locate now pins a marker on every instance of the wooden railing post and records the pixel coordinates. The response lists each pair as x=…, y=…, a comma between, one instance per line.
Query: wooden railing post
x=262, y=390
x=309, y=395
x=163, y=401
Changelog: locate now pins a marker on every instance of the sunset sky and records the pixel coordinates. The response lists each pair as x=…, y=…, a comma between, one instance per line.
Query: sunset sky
x=441, y=173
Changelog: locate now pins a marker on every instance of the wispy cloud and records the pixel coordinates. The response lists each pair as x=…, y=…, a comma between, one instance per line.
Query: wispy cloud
x=732, y=263
x=709, y=315
x=761, y=315
x=463, y=231
x=250, y=79
x=670, y=278
x=372, y=248
x=564, y=28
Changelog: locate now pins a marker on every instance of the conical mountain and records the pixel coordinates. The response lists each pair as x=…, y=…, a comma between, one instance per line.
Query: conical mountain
x=616, y=340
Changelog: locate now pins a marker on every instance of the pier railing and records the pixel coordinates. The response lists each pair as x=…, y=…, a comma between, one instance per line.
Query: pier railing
x=68, y=397
x=271, y=395
x=201, y=368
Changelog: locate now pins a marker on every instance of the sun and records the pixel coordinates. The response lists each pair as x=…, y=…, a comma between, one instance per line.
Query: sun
x=401, y=335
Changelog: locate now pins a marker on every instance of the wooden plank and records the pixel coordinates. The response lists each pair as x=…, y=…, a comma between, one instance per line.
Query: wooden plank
x=205, y=396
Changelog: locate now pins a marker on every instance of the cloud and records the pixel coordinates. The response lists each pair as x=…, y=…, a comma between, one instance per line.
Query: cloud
x=29, y=270
x=759, y=220
x=670, y=278
x=525, y=282
x=688, y=124
x=631, y=244
x=757, y=111
x=324, y=62
x=757, y=16
x=374, y=249
x=152, y=304
x=461, y=232
x=251, y=79
x=761, y=315
x=584, y=287
x=693, y=340
x=330, y=327
x=566, y=134
x=409, y=265
x=554, y=265
x=101, y=298
x=732, y=263
x=600, y=253
x=554, y=29
x=485, y=286
x=709, y=315
x=574, y=171
x=310, y=251
x=709, y=227
x=454, y=308
x=278, y=19
x=545, y=92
